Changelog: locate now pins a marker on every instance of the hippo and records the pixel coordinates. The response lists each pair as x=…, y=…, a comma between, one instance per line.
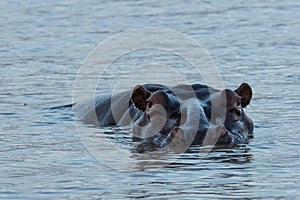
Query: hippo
x=183, y=115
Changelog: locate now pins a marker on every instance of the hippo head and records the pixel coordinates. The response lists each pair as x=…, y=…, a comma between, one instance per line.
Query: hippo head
x=159, y=112
x=236, y=121
x=159, y=116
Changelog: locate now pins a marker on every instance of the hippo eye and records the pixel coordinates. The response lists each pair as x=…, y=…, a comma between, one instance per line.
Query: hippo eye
x=235, y=111
x=238, y=103
x=150, y=104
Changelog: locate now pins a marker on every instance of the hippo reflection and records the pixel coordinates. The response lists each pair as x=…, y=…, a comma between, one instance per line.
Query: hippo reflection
x=187, y=114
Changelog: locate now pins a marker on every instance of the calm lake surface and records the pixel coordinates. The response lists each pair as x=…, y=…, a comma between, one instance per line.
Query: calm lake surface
x=44, y=43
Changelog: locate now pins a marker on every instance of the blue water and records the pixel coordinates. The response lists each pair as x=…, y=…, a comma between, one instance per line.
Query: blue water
x=44, y=43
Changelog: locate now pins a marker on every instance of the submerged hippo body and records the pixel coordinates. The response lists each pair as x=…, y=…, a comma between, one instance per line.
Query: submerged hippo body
x=187, y=114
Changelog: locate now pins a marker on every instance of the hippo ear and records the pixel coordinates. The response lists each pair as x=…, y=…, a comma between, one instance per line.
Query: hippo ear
x=139, y=96
x=245, y=92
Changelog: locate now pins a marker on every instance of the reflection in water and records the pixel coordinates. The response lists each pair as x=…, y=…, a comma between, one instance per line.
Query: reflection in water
x=146, y=157
x=222, y=172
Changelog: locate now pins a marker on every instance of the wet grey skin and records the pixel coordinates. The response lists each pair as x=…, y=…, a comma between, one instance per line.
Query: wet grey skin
x=158, y=114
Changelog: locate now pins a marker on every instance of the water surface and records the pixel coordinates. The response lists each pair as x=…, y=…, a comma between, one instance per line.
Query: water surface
x=44, y=43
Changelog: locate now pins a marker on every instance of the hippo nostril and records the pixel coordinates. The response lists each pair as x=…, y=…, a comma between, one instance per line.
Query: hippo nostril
x=230, y=140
